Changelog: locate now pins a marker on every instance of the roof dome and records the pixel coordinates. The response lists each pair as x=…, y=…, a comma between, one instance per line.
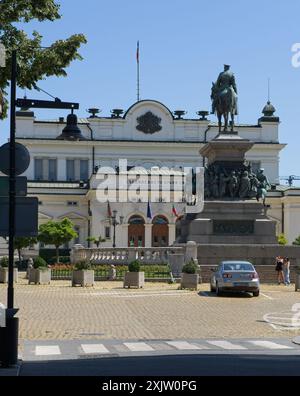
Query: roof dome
x=268, y=110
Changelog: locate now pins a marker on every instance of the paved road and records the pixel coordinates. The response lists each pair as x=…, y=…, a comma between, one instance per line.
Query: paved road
x=159, y=311
x=183, y=365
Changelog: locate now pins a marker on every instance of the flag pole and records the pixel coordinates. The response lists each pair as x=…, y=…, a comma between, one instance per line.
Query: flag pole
x=138, y=70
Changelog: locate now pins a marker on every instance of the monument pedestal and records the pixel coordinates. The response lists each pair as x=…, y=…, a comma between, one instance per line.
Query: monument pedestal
x=230, y=222
x=229, y=227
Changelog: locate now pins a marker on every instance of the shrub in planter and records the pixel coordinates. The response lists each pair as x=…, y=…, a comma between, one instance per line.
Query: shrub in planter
x=134, y=278
x=40, y=273
x=134, y=266
x=83, y=275
x=190, y=268
x=4, y=271
x=189, y=277
x=39, y=263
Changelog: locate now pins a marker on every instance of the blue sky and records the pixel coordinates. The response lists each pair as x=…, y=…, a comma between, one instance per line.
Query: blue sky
x=183, y=46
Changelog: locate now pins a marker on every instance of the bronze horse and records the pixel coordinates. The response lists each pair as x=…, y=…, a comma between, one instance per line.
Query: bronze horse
x=225, y=104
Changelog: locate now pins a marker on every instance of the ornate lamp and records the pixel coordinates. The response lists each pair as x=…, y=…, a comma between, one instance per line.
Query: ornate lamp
x=71, y=130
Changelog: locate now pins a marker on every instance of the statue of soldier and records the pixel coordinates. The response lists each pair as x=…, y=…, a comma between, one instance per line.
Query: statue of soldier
x=233, y=184
x=263, y=185
x=223, y=185
x=245, y=186
x=215, y=186
x=225, y=81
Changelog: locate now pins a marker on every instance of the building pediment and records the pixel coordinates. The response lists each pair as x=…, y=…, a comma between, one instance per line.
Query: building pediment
x=72, y=216
x=43, y=216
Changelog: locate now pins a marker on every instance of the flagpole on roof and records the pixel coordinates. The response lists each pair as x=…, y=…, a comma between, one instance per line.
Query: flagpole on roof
x=138, y=70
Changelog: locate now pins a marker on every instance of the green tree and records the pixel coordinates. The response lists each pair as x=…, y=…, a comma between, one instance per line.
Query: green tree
x=96, y=240
x=22, y=243
x=297, y=241
x=57, y=233
x=34, y=63
x=282, y=240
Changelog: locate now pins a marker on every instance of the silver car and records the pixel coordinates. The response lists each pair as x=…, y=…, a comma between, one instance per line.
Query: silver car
x=235, y=276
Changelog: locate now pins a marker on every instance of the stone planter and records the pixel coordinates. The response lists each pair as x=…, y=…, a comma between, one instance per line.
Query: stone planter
x=39, y=276
x=83, y=278
x=134, y=279
x=189, y=281
x=4, y=275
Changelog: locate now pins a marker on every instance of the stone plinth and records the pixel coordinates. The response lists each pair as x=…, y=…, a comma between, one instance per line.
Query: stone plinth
x=228, y=150
x=230, y=222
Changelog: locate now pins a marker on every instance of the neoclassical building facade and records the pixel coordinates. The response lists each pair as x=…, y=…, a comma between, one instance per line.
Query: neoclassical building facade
x=63, y=173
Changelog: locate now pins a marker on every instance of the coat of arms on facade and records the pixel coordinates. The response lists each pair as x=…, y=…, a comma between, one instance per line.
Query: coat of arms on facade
x=149, y=123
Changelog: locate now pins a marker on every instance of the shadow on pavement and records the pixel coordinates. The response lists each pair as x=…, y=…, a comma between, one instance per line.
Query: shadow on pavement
x=183, y=365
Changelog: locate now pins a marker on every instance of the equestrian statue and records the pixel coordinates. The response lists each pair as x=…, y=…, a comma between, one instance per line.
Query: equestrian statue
x=224, y=98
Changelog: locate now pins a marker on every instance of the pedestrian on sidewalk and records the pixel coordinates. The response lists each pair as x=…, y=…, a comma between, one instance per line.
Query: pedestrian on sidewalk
x=279, y=269
x=112, y=274
x=286, y=271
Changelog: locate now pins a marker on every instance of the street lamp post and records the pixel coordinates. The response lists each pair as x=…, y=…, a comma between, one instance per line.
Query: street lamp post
x=9, y=335
x=115, y=223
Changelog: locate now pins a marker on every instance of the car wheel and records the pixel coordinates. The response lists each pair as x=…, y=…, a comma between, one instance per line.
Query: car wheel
x=218, y=290
x=256, y=293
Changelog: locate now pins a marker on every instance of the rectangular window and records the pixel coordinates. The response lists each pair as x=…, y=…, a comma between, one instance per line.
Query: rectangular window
x=72, y=203
x=70, y=170
x=84, y=170
x=107, y=232
x=52, y=170
x=38, y=169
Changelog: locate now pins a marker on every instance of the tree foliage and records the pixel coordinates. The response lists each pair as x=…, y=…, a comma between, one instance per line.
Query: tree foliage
x=34, y=63
x=96, y=240
x=297, y=241
x=282, y=240
x=22, y=243
x=57, y=233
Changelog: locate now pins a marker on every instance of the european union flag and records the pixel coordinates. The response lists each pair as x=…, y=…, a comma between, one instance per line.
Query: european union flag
x=149, y=211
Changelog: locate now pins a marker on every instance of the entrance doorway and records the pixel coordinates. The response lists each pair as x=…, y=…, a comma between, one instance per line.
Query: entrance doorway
x=160, y=232
x=136, y=232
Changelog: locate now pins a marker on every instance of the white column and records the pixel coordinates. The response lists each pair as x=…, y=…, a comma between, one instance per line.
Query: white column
x=148, y=235
x=172, y=233
x=123, y=229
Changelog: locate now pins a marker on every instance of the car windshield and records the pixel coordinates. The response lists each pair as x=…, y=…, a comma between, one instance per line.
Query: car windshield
x=238, y=267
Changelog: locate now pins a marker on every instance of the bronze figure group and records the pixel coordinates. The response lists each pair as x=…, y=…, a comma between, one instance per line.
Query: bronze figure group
x=241, y=184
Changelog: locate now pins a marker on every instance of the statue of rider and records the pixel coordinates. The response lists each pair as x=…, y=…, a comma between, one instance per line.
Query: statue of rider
x=226, y=80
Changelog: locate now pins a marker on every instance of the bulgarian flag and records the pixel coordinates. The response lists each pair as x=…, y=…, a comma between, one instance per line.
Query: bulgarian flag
x=109, y=212
x=138, y=52
x=174, y=211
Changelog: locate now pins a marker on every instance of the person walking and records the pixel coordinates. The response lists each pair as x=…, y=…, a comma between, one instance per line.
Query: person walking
x=279, y=269
x=286, y=271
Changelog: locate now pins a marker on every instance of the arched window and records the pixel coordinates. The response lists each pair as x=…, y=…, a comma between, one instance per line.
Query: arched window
x=160, y=220
x=136, y=220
